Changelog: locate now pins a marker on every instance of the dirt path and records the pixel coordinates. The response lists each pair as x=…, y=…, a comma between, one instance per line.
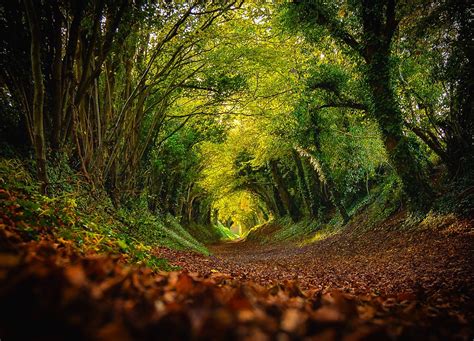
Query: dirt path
x=428, y=274
x=386, y=262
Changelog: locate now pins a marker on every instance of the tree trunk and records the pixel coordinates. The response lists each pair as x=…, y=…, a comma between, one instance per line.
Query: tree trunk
x=280, y=207
x=325, y=176
x=460, y=139
x=38, y=97
x=57, y=98
x=283, y=192
x=303, y=184
x=387, y=112
x=379, y=25
x=314, y=189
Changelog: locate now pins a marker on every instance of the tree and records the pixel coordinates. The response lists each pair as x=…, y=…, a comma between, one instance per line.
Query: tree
x=38, y=97
x=435, y=75
x=368, y=33
x=108, y=76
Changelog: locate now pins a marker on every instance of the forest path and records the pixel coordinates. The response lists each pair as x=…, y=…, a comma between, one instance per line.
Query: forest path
x=427, y=274
x=387, y=262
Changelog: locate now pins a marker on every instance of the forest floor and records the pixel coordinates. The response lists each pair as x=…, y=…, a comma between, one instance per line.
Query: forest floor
x=399, y=283
x=386, y=283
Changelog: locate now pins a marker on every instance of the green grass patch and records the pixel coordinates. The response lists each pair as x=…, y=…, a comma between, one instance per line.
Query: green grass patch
x=211, y=234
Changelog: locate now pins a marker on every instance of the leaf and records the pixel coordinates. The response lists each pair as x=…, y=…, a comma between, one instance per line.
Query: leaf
x=76, y=275
x=122, y=244
x=292, y=320
x=9, y=260
x=184, y=284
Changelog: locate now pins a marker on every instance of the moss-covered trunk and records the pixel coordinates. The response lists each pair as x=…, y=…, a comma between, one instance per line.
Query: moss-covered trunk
x=285, y=196
x=400, y=148
x=303, y=185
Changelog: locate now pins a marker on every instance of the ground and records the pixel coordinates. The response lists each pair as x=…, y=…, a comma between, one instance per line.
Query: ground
x=384, y=261
x=426, y=273
x=386, y=283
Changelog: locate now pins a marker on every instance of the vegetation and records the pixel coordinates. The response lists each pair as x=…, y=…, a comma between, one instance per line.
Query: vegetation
x=225, y=112
x=142, y=128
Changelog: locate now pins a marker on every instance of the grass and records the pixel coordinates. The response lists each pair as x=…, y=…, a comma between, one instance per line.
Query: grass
x=211, y=234
x=367, y=213
x=282, y=230
x=89, y=222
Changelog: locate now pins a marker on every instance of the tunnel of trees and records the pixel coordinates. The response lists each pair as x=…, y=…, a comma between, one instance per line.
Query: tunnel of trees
x=236, y=169
x=237, y=112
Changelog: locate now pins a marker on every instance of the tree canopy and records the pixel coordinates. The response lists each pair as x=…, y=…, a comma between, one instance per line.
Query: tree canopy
x=238, y=112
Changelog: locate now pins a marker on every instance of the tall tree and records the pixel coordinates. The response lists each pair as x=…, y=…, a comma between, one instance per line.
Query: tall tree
x=368, y=33
x=38, y=97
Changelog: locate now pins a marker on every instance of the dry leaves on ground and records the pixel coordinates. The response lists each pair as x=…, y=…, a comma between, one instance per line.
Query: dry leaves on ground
x=49, y=291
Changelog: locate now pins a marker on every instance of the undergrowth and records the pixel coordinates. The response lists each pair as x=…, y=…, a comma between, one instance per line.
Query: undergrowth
x=211, y=234
x=373, y=211
x=84, y=216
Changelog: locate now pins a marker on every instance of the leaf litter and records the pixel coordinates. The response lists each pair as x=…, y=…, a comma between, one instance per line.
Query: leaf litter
x=375, y=285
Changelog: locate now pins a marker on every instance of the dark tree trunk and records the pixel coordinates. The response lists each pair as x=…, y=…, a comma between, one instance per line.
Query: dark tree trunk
x=38, y=97
x=314, y=189
x=285, y=196
x=460, y=141
x=303, y=185
x=324, y=174
x=280, y=207
x=379, y=25
x=56, y=91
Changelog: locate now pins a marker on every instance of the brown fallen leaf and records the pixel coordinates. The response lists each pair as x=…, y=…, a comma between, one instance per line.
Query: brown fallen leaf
x=292, y=320
x=113, y=331
x=9, y=260
x=328, y=314
x=239, y=301
x=184, y=283
x=75, y=275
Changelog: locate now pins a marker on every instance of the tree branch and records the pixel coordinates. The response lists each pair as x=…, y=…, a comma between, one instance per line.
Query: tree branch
x=348, y=105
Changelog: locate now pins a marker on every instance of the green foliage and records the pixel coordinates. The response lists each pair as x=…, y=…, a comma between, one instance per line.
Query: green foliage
x=196, y=121
x=459, y=198
x=15, y=175
x=383, y=201
x=367, y=213
x=284, y=230
x=89, y=224
x=211, y=234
